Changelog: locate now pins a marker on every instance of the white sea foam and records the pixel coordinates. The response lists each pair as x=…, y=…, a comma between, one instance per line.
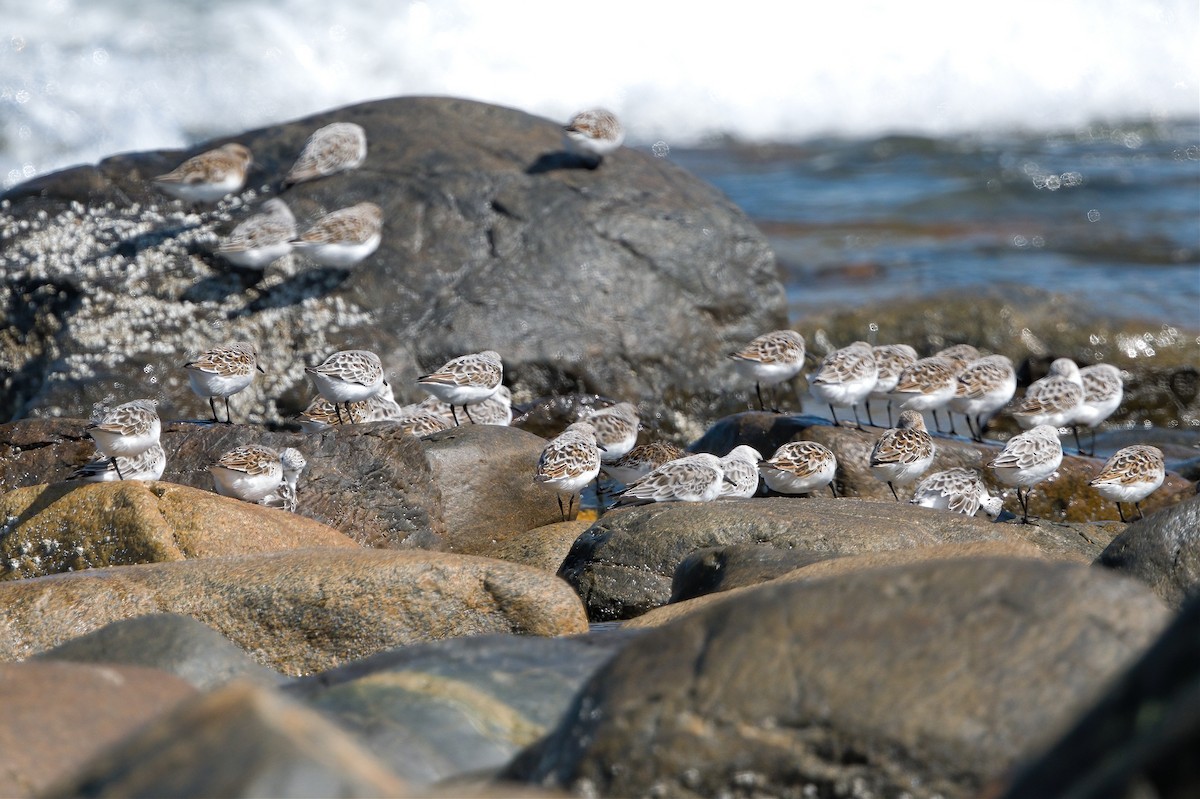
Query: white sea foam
x=81, y=80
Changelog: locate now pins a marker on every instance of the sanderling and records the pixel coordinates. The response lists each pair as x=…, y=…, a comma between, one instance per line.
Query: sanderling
x=1103, y=390
x=616, y=429
x=741, y=472
x=261, y=239
x=421, y=422
x=593, y=134
x=641, y=460
x=569, y=462
x=961, y=355
x=1054, y=400
x=845, y=377
x=769, y=360
x=1131, y=475
x=890, y=361
x=957, y=490
x=1028, y=459
x=209, y=176
x=126, y=430
x=903, y=453
x=343, y=237
x=223, y=372
x=465, y=380
x=248, y=473
x=694, y=478
x=984, y=387
x=926, y=385
x=284, y=495
x=334, y=148
x=321, y=414
x=348, y=376
x=800, y=467
x=146, y=465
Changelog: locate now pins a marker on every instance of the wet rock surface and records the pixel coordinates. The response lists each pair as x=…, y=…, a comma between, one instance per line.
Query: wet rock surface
x=1138, y=738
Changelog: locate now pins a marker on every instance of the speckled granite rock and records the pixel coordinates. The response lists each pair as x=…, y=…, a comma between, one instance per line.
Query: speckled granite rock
x=71, y=526
x=299, y=611
x=372, y=482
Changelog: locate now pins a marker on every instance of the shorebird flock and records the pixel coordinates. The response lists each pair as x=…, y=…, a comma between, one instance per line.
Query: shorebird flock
x=351, y=387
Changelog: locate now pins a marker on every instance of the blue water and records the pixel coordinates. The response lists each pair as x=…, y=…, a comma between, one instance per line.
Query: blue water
x=1111, y=214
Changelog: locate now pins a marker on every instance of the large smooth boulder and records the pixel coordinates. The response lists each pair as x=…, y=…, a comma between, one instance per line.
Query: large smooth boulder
x=466, y=705
x=623, y=565
x=299, y=611
x=1141, y=738
x=1162, y=550
x=922, y=680
x=493, y=239
x=825, y=567
x=54, y=717
x=71, y=526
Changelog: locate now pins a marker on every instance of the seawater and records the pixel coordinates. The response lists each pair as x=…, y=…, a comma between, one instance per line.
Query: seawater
x=1110, y=214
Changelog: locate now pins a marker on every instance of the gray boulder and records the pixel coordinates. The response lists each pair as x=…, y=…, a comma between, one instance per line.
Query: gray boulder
x=864, y=684
x=442, y=710
x=1162, y=550
x=624, y=280
x=1141, y=738
x=169, y=642
x=623, y=565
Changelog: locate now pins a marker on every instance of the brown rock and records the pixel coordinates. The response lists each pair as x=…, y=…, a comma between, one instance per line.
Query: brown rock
x=485, y=474
x=237, y=741
x=623, y=564
x=372, y=482
x=926, y=679
x=543, y=547
x=298, y=611
x=72, y=526
x=57, y=716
